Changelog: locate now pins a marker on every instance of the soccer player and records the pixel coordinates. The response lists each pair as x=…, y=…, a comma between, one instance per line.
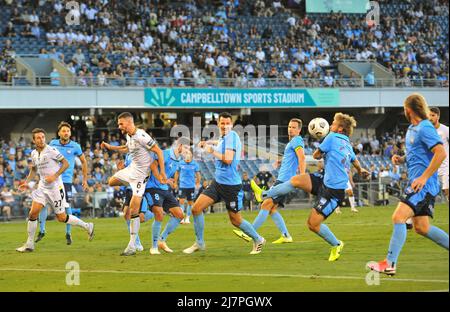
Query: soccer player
x=349, y=193
x=424, y=154
x=139, y=144
x=187, y=177
x=227, y=186
x=50, y=191
x=69, y=149
x=330, y=189
x=145, y=213
x=293, y=161
x=162, y=197
x=442, y=130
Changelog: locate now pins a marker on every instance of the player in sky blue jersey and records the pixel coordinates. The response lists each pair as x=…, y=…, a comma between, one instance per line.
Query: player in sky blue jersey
x=293, y=161
x=70, y=150
x=186, y=178
x=330, y=188
x=162, y=197
x=145, y=213
x=424, y=154
x=227, y=186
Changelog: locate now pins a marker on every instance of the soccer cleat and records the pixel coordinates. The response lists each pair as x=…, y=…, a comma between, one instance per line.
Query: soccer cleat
x=25, y=248
x=187, y=221
x=163, y=246
x=182, y=221
x=383, y=267
x=68, y=239
x=336, y=251
x=91, y=231
x=194, y=248
x=338, y=211
x=256, y=190
x=283, y=240
x=242, y=235
x=129, y=251
x=257, y=247
x=139, y=247
x=354, y=210
x=40, y=237
x=154, y=251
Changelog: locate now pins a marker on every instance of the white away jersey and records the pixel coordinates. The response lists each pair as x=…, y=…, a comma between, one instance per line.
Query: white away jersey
x=443, y=133
x=47, y=164
x=138, y=145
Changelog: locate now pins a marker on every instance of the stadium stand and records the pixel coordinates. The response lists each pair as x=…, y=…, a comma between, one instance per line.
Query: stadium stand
x=228, y=43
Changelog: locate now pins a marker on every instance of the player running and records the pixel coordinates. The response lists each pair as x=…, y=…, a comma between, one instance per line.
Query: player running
x=227, y=186
x=162, y=197
x=187, y=177
x=424, y=154
x=139, y=144
x=330, y=188
x=293, y=161
x=69, y=149
x=50, y=191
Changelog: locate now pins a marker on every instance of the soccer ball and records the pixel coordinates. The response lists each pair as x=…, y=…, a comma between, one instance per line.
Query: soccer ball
x=318, y=128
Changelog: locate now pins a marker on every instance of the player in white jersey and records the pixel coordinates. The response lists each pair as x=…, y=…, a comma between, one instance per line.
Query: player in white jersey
x=442, y=130
x=50, y=191
x=139, y=145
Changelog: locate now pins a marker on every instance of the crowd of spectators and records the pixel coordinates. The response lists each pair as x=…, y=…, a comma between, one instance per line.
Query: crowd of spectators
x=247, y=43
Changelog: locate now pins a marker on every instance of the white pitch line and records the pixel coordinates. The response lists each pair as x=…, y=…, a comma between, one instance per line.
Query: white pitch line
x=391, y=279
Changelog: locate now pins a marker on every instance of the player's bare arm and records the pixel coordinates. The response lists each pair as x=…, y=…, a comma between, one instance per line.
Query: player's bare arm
x=361, y=171
x=226, y=158
x=121, y=149
x=22, y=187
x=301, y=160
x=436, y=161
x=64, y=166
x=84, y=169
x=398, y=160
x=157, y=150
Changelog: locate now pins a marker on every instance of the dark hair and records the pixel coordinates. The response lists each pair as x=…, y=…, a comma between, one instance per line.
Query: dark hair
x=125, y=115
x=64, y=124
x=225, y=115
x=297, y=120
x=37, y=130
x=436, y=110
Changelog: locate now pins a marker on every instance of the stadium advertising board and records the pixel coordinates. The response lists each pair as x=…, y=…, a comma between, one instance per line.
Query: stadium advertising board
x=345, y=6
x=251, y=98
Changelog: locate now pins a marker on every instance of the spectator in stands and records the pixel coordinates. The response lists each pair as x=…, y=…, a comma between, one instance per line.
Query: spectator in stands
x=26, y=32
x=55, y=78
x=9, y=30
x=35, y=30
x=8, y=201
x=370, y=79
x=78, y=58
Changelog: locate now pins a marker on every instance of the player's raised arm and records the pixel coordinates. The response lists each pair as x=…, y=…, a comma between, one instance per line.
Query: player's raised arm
x=121, y=149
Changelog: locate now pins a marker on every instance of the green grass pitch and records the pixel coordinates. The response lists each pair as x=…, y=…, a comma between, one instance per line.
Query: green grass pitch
x=226, y=264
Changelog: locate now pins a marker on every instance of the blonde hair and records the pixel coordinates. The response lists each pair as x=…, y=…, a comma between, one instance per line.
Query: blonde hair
x=417, y=103
x=345, y=121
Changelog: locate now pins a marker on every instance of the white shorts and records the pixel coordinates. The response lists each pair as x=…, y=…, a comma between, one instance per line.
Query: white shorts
x=444, y=181
x=136, y=182
x=349, y=186
x=55, y=197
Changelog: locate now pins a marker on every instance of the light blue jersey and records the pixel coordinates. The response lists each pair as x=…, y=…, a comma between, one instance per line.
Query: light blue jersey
x=420, y=139
x=171, y=163
x=187, y=173
x=338, y=158
x=228, y=174
x=69, y=151
x=289, y=164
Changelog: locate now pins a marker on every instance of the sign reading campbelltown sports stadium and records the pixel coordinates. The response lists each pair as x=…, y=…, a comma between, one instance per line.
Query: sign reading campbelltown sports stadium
x=242, y=98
